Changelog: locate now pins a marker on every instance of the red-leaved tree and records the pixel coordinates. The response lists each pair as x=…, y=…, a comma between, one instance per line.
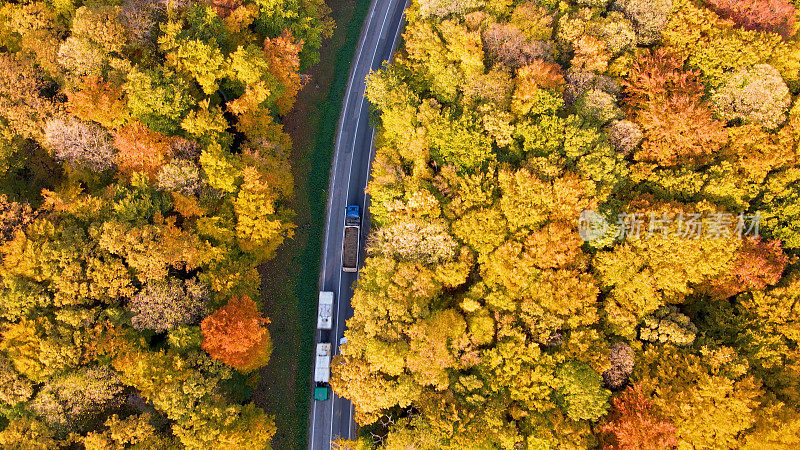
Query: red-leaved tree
x=667, y=102
x=633, y=425
x=776, y=16
x=236, y=334
x=141, y=149
x=224, y=8
x=758, y=264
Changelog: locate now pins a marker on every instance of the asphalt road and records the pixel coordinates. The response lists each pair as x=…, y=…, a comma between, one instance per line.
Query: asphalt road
x=353, y=152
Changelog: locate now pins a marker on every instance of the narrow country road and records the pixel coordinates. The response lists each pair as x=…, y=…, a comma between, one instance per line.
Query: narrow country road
x=333, y=418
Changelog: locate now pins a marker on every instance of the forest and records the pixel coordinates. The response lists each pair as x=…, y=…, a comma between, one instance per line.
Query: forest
x=144, y=175
x=483, y=318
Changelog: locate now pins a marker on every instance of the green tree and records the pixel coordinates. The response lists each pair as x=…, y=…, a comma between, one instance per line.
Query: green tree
x=196, y=50
x=581, y=394
x=160, y=98
x=457, y=142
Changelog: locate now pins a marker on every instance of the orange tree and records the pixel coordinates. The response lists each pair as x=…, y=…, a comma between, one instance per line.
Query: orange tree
x=236, y=334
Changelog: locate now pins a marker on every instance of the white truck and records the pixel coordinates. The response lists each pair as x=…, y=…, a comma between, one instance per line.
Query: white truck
x=322, y=371
x=325, y=311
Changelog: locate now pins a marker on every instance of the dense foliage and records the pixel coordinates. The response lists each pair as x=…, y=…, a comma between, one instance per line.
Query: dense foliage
x=144, y=175
x=484, y=320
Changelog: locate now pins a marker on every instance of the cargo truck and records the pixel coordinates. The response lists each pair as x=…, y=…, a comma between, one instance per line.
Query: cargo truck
x=352, y=235
x=322, y=371
x=325, y=311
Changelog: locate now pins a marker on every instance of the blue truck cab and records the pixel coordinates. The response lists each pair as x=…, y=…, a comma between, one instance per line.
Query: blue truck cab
x=352, y=212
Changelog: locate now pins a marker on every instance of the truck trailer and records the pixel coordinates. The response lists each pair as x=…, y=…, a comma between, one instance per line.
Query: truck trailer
x=322, y=371
x=352, y=236
x=325, y=310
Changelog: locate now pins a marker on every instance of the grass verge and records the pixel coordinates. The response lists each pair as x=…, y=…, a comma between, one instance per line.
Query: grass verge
x=289, y=281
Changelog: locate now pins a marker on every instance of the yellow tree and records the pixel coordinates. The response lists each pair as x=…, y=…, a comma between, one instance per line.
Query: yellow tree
x=99, y=101
x=709, y=397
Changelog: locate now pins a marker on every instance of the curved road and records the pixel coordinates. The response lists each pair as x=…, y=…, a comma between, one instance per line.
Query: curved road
x=353, y=152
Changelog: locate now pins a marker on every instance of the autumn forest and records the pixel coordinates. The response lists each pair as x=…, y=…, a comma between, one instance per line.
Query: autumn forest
x=145, y=175
x=584, y=224
x=483, y=319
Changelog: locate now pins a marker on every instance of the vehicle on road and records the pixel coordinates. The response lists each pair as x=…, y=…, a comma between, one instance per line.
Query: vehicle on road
x=325, y=311
x=322, y=371
x=350, y=173
x=352, y=236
